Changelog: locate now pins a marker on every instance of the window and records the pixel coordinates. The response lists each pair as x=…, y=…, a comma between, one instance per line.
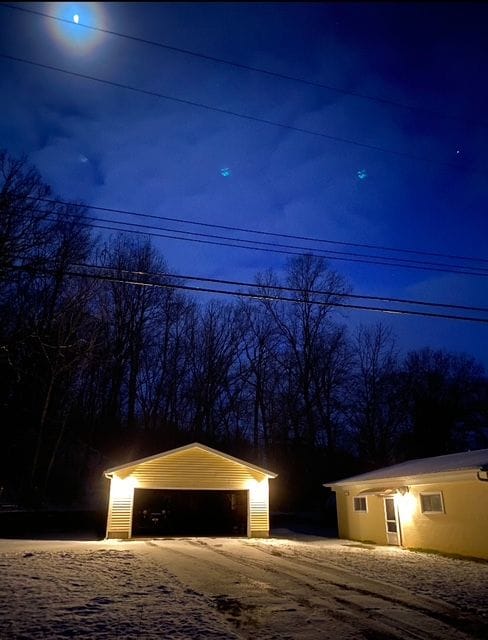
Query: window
x=431, y=502
x=360, y=504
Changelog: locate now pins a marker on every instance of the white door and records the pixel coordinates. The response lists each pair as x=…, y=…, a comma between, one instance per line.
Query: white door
x=391, y=521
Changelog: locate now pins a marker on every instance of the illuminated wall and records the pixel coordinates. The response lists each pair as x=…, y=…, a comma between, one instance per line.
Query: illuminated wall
x=461, y=528
x=194, y=467
x=119, y=520
x=368, y=526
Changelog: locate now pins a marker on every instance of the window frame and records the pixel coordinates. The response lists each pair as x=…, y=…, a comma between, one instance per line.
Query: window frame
x=356, y=510
x=431, y=493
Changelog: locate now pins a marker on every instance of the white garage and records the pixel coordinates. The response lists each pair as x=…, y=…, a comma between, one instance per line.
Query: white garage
x=192, y=490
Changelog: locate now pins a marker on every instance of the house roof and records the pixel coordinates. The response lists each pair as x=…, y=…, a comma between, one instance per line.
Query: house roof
x=465, y=461
x=194, y=445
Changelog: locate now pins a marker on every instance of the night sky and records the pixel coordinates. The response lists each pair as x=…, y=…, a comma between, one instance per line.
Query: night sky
x=407, y=170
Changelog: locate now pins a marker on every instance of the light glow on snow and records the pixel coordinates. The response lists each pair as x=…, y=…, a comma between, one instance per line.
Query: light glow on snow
x=183, y=589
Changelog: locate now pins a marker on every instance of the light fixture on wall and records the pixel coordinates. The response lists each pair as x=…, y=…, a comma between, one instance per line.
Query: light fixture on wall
x=483, y=473
x=122, y=488
x=403, y=490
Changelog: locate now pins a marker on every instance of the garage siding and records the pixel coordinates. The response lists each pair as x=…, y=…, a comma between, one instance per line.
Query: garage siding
x=192, y=468
x=120, y=516
x=258, y=516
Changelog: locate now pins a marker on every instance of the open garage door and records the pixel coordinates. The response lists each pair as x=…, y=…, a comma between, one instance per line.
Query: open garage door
x=171, y=512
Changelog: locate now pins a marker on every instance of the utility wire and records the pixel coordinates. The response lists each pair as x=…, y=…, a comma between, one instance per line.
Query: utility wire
x=276, y=287
x=255, y=296
x=260, y=70
x=256, y=244
x=272, y=248
x=244, y=116
x=268, y=287
x=264, y=233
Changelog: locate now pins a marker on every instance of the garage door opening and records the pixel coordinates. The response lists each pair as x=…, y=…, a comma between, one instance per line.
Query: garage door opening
x=170, y=512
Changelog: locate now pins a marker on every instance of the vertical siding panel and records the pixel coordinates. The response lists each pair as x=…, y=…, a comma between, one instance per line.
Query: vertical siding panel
x=119, y=521
x=259, y=510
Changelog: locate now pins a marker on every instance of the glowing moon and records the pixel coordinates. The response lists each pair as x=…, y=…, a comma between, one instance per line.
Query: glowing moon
x=80, y=26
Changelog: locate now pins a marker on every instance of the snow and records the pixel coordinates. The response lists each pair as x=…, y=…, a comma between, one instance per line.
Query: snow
x=289, y=586
x=470, y=460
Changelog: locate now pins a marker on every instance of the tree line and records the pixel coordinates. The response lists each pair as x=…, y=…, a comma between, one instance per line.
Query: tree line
x=97, y=371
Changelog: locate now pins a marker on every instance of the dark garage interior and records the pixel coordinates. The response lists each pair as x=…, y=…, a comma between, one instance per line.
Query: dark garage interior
x=171, y=512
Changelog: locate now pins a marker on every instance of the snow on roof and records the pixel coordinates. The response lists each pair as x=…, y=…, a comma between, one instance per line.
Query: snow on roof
x=463, y=461
x=193, y=445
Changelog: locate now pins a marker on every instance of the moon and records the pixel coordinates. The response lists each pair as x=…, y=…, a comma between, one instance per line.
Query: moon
x=80, y=26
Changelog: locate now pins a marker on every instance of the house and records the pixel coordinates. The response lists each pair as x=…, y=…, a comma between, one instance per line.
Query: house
x=438, y=503
x=192, y=490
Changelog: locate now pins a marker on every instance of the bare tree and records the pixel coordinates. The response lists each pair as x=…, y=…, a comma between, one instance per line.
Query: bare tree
x=129, y=312
x=25, y=214
x=377, y=408
x=165, y=366
x=445, y=394
x=214, y=354
x=305, y=325
x=47, y=344
x=262, y=376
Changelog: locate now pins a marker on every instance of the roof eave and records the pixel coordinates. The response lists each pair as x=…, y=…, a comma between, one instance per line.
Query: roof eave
x=421, y=478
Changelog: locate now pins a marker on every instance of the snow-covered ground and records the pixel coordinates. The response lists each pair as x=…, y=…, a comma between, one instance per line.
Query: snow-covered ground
x=289, y=586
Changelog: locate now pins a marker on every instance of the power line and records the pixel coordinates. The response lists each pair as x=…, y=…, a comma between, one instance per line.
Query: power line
x=260, y=70
x=266, y=233
x=244, y=116
x=251, y=244
x=257, y=296
x=276, y=287
x=272, y=248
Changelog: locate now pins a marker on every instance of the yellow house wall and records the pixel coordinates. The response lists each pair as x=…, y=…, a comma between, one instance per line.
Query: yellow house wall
x=462, y=528
x=357, y=525
x=190, y=469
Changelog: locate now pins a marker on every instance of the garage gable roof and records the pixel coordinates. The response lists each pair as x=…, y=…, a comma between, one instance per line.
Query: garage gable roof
x=412, y=469
x=188, y=447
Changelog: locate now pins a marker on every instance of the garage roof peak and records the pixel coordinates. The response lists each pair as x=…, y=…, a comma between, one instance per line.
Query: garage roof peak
x=194, y=445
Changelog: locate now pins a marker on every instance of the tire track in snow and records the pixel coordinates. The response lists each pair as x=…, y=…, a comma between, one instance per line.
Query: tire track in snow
x=261, y=601
x=319, y=602
x=334, y=602
x=422, y=610
x=442, y=611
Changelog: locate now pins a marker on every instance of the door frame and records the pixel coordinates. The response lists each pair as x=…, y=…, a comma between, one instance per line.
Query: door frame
x=180, y=490
x=392, y=537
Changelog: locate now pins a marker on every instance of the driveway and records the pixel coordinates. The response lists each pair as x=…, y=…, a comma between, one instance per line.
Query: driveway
x=283, y=588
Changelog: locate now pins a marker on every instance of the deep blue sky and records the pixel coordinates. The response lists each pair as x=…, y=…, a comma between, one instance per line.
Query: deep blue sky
x=115, y=148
